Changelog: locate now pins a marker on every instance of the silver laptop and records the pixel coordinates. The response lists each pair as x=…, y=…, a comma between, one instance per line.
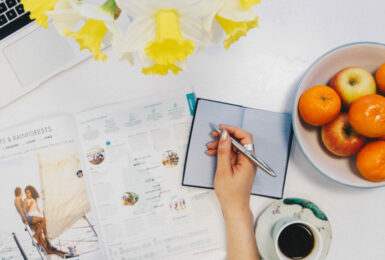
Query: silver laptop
x=30, y=54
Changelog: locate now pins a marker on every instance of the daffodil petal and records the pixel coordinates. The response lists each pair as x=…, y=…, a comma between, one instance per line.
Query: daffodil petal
x=247, y=4
x=235, y=30
x=90, y=11
x=200, y=8
x=90, y=37
x=232, y=10
x=118, y=43
x=192, y=28
x=169, y=45
x=64, y=16
x=136, y=8
x=38, y=9
x=118, y=49
x=216, y=33
x=139, y=33
x=159, y=69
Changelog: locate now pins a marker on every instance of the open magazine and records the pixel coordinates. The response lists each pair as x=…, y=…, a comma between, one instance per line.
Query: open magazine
x=106, y=184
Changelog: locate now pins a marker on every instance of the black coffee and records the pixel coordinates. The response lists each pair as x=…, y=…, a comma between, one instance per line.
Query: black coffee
x=296, y=241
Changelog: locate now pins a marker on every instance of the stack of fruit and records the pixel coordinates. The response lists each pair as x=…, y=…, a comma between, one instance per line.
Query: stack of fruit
x=351, y=112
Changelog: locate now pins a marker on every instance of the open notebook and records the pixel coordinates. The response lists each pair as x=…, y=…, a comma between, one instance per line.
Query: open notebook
x=271, y=132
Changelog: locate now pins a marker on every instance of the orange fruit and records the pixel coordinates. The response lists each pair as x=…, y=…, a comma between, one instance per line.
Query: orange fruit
x=367, y=115
x=380, y=78
x=319, y=105
x=371, y=161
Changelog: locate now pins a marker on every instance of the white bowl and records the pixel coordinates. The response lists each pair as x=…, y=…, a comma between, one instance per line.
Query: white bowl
x=369, y=55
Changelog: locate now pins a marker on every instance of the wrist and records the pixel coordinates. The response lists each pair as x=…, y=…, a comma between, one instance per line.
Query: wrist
x=238, y=213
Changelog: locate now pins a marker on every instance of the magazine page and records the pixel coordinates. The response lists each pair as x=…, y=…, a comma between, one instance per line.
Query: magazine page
x=135, y=152
x=45, y=211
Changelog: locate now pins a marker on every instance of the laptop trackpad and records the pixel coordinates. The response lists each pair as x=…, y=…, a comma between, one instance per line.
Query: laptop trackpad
x=38, y=54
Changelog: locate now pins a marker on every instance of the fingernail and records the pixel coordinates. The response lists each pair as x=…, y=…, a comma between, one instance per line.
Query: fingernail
x=224, y=135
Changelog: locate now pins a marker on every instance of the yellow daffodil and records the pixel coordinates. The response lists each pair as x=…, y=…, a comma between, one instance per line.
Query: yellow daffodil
x=169, y=45
x=236, y=18
x=167, y=31
x=38, y=9
x=90, y=37
x=235, y=30
x=164, y=33
x=90, y=25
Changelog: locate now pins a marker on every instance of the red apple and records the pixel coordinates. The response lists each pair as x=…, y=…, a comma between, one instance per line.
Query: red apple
x=340, y=138
x=352, y=83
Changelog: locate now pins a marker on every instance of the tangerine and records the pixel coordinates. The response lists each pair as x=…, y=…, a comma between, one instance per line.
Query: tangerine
x=319, y=105
x=380, y=78
x=367, y=115
x=371, y=161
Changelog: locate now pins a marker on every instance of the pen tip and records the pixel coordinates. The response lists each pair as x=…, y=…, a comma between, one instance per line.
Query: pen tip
x=213, y=126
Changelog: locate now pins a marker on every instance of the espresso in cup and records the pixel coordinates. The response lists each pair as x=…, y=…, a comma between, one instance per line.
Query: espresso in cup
x=296, y=241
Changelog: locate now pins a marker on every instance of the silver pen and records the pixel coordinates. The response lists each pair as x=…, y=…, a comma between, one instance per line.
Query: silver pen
x=247, y=153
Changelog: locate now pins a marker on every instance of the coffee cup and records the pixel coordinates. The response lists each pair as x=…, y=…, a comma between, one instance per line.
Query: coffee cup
x=296, y=239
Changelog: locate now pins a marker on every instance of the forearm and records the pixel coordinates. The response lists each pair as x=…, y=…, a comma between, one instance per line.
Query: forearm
x=241, y=242
x=21, y=213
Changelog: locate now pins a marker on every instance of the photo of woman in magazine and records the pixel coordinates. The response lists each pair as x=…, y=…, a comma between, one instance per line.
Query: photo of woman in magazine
x=31, y=201
x=54, y=226
x=31, y=215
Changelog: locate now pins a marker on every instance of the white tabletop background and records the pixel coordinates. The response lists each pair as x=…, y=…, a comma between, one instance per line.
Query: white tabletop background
x=261, y=71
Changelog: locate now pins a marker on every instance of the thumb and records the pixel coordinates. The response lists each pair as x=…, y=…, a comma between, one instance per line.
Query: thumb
x=224, y=152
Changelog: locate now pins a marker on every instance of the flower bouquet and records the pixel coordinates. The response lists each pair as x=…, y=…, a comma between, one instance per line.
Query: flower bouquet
x=162, y=33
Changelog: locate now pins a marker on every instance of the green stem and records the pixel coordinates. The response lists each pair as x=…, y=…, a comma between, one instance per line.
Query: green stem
x=110, y=7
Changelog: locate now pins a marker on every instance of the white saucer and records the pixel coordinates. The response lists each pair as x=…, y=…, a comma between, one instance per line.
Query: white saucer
x=290, y=207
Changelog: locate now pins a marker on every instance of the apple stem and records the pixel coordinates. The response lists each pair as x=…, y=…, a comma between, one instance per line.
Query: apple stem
x=348, y=130
x=352, y=82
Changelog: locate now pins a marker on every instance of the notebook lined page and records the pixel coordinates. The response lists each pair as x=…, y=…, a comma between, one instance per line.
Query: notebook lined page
x=199, y=167
x=271, y=133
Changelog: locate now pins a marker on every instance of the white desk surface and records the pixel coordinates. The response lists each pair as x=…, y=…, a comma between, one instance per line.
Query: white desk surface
x=260, y=71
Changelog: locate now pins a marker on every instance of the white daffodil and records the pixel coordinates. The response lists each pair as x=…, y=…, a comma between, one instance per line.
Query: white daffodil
x=97, y=24
x=167, y=31
x=236, y=18
x=164, y=33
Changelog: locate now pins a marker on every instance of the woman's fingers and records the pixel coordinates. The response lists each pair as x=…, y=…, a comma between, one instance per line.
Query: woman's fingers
x=213, y=147
x=236, y=158
x=213, y=144
x=215, y=134
x=244, y=138
x=211, y=152
x=241, y=135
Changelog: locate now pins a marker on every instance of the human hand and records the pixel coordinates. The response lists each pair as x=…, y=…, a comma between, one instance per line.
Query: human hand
x=235, y=172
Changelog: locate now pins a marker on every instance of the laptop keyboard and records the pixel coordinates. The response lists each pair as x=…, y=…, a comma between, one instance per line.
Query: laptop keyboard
x=12, y=17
